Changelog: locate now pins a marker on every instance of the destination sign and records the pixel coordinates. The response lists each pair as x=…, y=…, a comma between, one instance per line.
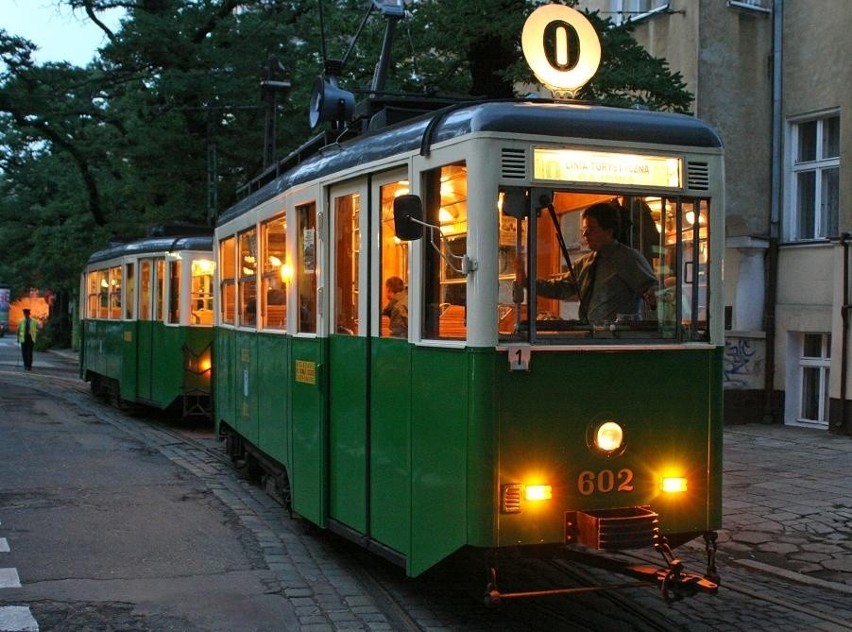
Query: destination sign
x=576, y=165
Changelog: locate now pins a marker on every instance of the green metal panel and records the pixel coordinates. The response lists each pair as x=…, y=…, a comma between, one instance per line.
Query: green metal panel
x=224, y=377
x=308, y=472
x=483, y=440
x=273, y=397
x=246, y=386
x=167, y=364
x=104, y=348
x=667, y=403
x=129, y=361
x=439, y=435
x=390, y=443
x=144, y=359
x=347, y=431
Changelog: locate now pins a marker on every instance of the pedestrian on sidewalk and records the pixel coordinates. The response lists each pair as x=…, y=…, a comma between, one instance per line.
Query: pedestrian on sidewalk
x=27, y=332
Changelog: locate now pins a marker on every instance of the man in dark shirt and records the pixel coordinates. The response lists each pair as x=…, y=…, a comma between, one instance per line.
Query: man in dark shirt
x=612, y=279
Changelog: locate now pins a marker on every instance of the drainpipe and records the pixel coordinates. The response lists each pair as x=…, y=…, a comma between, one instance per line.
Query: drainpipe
x=775, y=210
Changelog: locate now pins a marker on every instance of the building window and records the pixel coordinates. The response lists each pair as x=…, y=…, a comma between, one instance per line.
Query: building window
x=632, y=10
x=813, y=373
x=762, y=6
x=814, y=179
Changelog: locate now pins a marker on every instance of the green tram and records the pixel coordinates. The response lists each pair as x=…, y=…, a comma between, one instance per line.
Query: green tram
x=147, y=320
x=499, y=420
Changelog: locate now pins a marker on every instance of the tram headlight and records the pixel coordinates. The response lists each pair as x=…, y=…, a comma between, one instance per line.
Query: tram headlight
x=609, y=437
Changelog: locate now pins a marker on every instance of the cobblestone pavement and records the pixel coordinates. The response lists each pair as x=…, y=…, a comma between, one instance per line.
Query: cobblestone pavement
x=788, y=503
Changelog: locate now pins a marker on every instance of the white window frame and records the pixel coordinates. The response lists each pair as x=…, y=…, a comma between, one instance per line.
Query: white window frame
x=823, y=226
x=624, y=11
x=795, y=390
x=762, y=6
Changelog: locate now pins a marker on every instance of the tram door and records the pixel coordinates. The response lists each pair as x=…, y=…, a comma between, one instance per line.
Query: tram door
x=348, y=357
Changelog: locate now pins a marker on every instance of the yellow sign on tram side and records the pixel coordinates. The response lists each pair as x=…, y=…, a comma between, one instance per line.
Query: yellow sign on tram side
x=306, y=372
x=598, y=167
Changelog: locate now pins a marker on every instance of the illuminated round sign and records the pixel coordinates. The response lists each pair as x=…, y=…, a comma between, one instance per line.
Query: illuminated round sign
x=556, y=22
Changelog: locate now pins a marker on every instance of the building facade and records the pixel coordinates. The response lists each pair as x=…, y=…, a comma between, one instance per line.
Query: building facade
x=774, y=78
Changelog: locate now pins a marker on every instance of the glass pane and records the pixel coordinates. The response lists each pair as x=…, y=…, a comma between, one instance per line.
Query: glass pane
x=129, y=289
x=159, y=289
x=807, y=141
x=145, y=290
x=115, y=293
x=227, y=256
x=805, y=193
x=247, y=286
x=393, y=301
x=306, y=274
x=831, y=138
x=275, y=273
x=347, y=249
x=623, y=268
x=202, y=292
x=174, y=292
x=830, y=201
x=812, y=346
x=445, y=286
x=810, y=393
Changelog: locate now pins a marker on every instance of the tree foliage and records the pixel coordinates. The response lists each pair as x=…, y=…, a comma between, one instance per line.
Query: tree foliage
x=168, y=120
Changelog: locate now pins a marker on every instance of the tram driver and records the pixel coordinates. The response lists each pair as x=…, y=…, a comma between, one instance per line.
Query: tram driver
x=612, y=280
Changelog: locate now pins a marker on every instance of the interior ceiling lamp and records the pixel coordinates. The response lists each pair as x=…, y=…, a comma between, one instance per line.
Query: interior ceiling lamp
x=546, y=42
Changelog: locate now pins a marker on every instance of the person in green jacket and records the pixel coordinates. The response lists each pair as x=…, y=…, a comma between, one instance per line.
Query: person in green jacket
x=27, y=332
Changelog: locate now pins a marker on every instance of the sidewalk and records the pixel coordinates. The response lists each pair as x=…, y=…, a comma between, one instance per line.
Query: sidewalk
x=788, y=503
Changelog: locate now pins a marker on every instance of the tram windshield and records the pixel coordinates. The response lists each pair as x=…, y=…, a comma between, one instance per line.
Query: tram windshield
x=576, y=266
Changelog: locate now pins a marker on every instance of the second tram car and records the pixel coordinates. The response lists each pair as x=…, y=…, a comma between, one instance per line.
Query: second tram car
x=147, y=320
x=499, y=419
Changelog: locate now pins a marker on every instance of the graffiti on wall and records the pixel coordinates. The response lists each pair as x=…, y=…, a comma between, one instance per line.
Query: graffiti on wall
x=744, y=361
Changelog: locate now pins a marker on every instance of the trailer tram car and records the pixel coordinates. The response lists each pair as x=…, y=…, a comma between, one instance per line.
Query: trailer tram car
x=500, y=420
x=147, y=320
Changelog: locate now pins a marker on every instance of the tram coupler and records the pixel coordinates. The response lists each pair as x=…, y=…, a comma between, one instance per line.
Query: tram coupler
x=675, y=583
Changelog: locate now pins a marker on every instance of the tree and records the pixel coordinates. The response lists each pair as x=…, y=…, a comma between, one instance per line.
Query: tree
x=90, y=154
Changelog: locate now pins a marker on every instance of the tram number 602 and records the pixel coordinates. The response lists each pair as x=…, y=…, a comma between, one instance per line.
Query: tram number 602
x=605, y=481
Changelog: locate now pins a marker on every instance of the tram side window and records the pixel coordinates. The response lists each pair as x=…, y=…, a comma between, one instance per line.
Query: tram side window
x=346, y=247
x=129, y=289
x=201, y=292
x=247, y=283
x=159, y=288
x=114, y=311
x=445, y=287
x=174, y=291
x=227, y=271
x=273, y=290
x=306, y=272
x=145, y=270
x=394, y=257
x=93, y=290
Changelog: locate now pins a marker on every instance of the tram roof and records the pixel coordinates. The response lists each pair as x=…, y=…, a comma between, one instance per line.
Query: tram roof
x=154, y=244
x=536, y=118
